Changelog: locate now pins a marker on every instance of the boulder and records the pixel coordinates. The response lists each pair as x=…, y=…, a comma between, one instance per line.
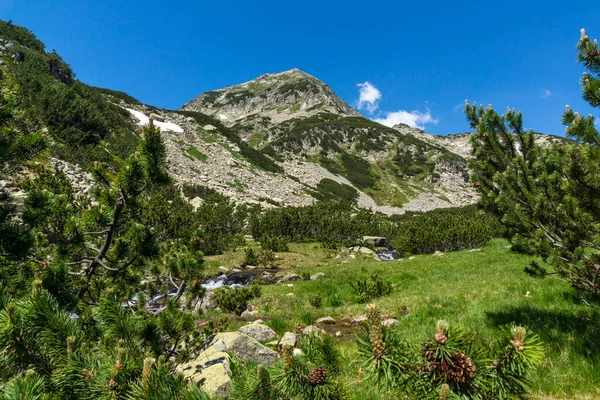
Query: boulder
x=389, y=322
x=243, y=347
x=249, y=313
x=288, y=340
x=359, y=320
x=215, y=380
x=316, y=276
x=211, y=369
x=224, y=270
x=289, y=278
x=438, y=254
x=259, y=332
x=375, y=241
x=156, y=117
x=326, y=320
x=311, y=329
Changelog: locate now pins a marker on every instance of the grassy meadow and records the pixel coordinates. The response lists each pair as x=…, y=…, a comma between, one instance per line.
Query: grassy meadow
x=480, y=289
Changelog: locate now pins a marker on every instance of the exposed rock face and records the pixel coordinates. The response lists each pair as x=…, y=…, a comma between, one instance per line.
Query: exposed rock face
x=315, y=137
x=273, y=98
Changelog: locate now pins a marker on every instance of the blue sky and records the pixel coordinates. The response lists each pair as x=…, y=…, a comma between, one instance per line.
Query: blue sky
x=416, y=61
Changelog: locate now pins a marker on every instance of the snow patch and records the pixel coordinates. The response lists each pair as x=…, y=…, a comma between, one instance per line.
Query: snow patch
x=164, y=126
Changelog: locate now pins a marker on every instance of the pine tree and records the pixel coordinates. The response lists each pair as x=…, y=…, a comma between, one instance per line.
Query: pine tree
x=547, y=197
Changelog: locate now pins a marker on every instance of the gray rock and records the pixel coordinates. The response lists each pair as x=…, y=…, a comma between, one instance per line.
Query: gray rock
x=259, y=332
x=289, y=278
x=311, y=329
x=326, y=320
x=224, y=270
x=316, y=276
x=243, y=347
x=211, y=368
x=359, y=320
x=438, y=253
x=249, y=313
x=288, y=340
x=389, y=322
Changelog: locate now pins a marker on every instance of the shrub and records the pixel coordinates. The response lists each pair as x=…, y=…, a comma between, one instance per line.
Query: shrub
x=235, y=300
x=305, y=276
x=331, y=190
x=274, y=243
x=333, y=300
x=444, y=230
x=365, y=291
x=316, y=301
x=250, y=257
x=266, y=259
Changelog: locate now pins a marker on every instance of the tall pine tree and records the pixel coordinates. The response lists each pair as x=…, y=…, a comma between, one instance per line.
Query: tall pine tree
x=549, y=198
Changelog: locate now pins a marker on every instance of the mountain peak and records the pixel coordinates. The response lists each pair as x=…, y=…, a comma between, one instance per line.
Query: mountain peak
x=277, y=97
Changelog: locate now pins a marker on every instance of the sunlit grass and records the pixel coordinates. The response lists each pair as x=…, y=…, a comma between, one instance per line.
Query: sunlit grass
x=480, y=290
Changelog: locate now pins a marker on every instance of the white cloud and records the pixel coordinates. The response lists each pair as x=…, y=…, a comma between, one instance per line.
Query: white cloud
x=369, y=97
x=546, y=94
x=416, y=119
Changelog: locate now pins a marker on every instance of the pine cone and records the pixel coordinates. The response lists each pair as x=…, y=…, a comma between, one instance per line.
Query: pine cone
x=379, y=349
x=317, y=376
x=462, y=368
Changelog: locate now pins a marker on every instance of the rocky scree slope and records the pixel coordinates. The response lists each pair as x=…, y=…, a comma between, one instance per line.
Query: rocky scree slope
x=297, y=120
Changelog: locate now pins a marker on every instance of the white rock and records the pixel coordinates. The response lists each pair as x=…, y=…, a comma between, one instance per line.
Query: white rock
x=288, y=340
x=326, y=320
x=389, y=322
x=316, y=276
x=310, y=329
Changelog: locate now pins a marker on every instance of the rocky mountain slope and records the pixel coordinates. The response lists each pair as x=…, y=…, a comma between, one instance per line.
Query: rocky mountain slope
x=299, y=122
x=280, y=139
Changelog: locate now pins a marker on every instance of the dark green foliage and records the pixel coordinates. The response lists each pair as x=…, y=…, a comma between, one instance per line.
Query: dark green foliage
x=99, y=355
x=274, y=243
x=453, y=361
x=300, y=85
x=21, y=35
x=115, y=94
x=444, y=230
x=266, y=258
x=365, y=291
x=333, y=223
x=191, y=191
x=316, y=301
x=251, y=154
x=547, y=197
x=235, y=300
x=220, y=226
x=358, y=171
x=250, y=257
x=16, y=144
x=79, y=117
x=331, y=190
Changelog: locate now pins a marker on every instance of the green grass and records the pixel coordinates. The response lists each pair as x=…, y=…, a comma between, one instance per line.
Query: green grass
x=481, y=290
x=195, y=153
